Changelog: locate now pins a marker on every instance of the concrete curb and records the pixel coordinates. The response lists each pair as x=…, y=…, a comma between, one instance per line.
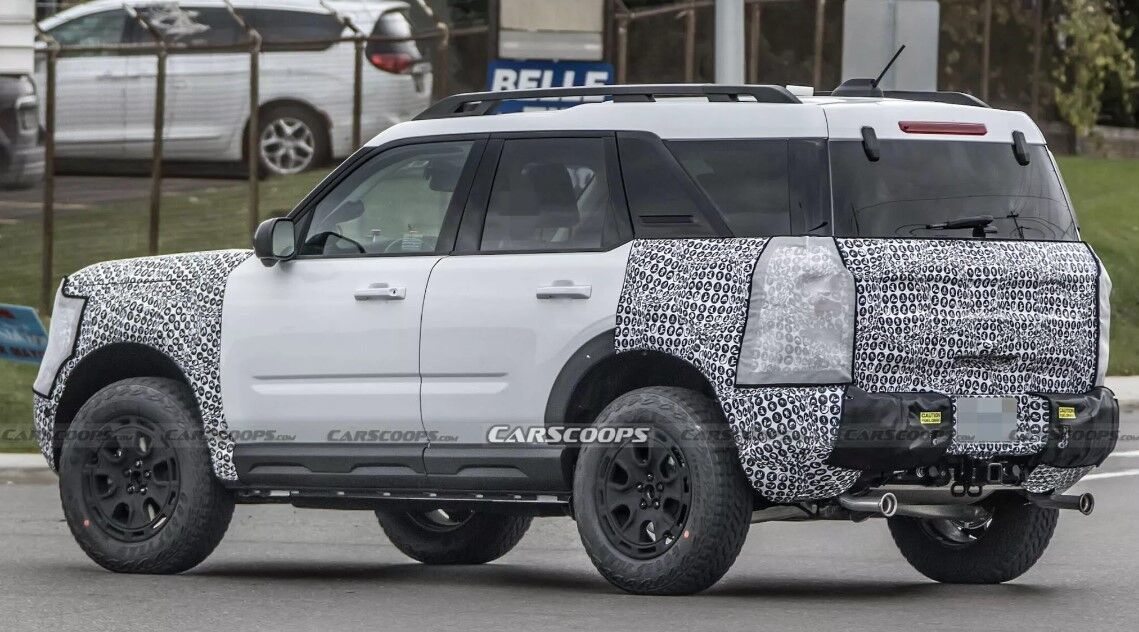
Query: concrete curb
x=24, y=468
x=32, y=468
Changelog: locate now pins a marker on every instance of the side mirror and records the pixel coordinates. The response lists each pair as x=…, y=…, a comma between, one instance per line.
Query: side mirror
x=275, y=240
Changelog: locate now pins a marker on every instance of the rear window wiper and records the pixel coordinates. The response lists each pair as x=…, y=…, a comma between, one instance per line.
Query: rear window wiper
x=979, y=224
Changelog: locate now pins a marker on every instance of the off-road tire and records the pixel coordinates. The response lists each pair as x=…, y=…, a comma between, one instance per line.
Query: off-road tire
x=1009, y=546
x=721, y=498
x=481, y=538
x=198, y=518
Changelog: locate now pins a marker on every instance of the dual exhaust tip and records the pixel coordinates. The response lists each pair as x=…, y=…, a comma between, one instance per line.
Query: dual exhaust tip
x=887, y=505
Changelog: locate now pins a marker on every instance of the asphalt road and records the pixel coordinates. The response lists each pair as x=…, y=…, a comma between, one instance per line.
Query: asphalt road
x=281, y=568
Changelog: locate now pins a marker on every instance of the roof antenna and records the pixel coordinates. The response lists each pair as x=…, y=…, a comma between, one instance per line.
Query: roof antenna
x=874, y=84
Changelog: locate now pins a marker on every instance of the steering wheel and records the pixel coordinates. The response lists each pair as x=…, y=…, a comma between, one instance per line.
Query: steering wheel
x=320, y=240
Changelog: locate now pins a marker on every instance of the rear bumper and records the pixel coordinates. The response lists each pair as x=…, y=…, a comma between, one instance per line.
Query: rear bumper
x=889, y=432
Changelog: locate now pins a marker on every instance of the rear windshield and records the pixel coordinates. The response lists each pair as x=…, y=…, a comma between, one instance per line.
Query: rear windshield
x=918, y=184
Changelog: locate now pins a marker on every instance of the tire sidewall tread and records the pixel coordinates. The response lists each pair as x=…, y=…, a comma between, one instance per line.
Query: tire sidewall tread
x=204, y=507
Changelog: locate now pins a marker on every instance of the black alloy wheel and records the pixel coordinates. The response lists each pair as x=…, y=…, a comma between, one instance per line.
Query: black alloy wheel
x=644, y=492
x=130, y=479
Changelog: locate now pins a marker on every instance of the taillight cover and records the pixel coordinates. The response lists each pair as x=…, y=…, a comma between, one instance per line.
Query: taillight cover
x=398, y=63
x=1104, y=325
x=800, y=323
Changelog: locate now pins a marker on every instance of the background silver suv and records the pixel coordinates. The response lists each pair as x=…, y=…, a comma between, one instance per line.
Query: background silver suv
x=106, y=98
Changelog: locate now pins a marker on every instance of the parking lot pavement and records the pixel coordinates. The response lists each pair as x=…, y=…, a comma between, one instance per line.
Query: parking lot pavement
x=74, y=193
x=281, y=568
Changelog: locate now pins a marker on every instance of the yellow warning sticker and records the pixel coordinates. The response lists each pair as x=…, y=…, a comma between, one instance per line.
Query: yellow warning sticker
x=1067, y=412
x=930, y=417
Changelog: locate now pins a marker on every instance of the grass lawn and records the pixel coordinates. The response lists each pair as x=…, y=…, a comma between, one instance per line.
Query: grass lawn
x=1105, y=192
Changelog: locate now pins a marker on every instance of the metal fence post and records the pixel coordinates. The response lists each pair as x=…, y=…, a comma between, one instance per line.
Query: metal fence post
x=755, y=22
x=622, y=48
x=357, y=89
x=1037, y=44
x=690, y=45
x=253, y=136
x=986, y=46
x=159, y=128
x=440, y=68
x=359, y=38
x=820, y=25
x=48, y=238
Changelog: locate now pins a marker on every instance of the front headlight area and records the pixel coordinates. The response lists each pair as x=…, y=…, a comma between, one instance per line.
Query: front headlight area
x=800, y=325
x=66, y=314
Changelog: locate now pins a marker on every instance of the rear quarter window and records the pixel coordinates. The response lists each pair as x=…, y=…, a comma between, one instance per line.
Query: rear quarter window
x=747, y=180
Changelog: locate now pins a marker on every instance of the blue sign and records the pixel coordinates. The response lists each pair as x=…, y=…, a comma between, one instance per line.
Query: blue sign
x=531, y=75
x=22, y=335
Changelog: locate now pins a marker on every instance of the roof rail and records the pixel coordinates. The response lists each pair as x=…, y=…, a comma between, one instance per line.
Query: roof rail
x=481, y=103
x=952, y=98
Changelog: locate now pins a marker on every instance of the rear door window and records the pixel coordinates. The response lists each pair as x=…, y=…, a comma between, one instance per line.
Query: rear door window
x=917, y=184
x=550, y=194
x=747, y=180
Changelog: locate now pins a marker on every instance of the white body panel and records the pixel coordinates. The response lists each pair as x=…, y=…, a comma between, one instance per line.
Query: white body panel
x=492, y=349
x=90, y=105
x=302, y=356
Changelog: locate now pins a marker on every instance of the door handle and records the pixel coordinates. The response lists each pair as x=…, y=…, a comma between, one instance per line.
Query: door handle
x=565, y=289
x=380, y=292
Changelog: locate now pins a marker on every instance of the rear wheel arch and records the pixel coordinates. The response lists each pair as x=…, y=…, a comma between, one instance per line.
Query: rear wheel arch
x=596, y=374
x=105, y=366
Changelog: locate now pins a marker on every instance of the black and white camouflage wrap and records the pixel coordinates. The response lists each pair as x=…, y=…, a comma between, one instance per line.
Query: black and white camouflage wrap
x=172, y=303
x=689, y=298
x=975, y=318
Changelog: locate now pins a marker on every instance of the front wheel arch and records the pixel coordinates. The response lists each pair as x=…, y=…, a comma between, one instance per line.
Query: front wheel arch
x=102, y=367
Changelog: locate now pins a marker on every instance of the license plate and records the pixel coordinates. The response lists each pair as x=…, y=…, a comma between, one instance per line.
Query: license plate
x=986, y=419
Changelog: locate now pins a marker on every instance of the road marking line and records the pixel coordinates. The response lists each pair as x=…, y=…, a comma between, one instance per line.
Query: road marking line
x=1126, y=453
x=1093, y=477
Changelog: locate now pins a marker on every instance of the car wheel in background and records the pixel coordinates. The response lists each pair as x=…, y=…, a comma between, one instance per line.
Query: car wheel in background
x=136, y=482
x=670, y=515
x=996, y=549
x=442, y=536
x=292, y=139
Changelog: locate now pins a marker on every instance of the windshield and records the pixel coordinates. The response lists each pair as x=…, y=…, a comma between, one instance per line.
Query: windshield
x=919, y=183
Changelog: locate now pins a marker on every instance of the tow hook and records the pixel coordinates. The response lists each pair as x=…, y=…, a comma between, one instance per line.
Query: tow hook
x=1084, y=503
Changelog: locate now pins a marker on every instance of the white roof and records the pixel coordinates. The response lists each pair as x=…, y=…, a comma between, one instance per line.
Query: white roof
x=687, y=118
x=370, y=7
